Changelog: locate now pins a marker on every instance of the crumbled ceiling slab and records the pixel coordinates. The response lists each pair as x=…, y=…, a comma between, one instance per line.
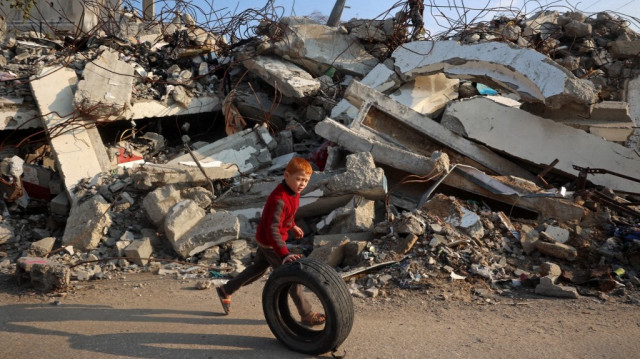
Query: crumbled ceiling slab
x=540, y=141
x=286, y=77
x=152, y=108
x=530, y=74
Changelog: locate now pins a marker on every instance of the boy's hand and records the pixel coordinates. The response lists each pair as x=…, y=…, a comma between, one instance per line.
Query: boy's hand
x=298, y=232
x=291, y=258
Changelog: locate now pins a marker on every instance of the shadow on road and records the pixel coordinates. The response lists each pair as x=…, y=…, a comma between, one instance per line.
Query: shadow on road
x=148, y=337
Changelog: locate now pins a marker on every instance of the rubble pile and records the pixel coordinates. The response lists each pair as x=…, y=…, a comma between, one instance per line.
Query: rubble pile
x=498, y=161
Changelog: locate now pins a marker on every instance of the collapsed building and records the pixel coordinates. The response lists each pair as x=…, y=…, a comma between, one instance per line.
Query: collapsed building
x=505, y=155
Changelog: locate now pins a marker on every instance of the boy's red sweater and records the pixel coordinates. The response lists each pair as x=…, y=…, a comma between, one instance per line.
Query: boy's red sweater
x=277, y=219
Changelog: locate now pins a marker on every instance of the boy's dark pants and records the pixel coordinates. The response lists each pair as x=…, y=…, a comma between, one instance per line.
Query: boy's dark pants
x=264, y=258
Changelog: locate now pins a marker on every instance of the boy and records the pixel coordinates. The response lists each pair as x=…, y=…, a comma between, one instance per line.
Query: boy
x=276, y=221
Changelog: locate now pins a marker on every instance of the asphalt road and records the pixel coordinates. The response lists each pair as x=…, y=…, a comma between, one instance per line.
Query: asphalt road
x=146, y=316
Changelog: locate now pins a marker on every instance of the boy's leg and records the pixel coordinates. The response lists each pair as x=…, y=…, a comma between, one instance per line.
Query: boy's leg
x=249, y=275
x=298, y=297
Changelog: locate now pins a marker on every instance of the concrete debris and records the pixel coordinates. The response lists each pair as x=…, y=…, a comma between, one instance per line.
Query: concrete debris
x=430, y=169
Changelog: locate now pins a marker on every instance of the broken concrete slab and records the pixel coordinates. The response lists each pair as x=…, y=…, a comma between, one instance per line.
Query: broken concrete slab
x=248, y=149
x=530, y=74
x=86, y=223
x=622, y=49
x=557, y=250
x=42, y=247
x=151, y=174
x=547, y=287
x=405, y=244
x=558, y=234
x=139, y=251
x=105, y=91
x=389, y=115
x=53, y=92
x=495, y=125
x=22, y=117
x=43, y=274
x=427, y=95
x=150, y=108
x=331, y=253
x=214, y=229
x=318, y=47
x=287, y=77
x=158, y=203
x=357, y=141
x=356, y=216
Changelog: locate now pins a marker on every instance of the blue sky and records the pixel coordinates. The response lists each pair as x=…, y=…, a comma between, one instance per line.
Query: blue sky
x=369, y=9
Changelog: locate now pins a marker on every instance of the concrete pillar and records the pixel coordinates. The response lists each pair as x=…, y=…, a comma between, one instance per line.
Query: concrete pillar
x=148, y=9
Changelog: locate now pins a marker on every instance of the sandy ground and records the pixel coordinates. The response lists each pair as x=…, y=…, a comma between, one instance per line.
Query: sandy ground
x=147, y=316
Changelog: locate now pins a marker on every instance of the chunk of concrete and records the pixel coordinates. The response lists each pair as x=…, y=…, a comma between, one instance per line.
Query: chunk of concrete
x=286, y=77
x=43, y=274
x=139, y=251
x=530, y=74
x=6, y=233
x=318, y=47
x=495, y=125
x=387, y=117
x=152, y=174
x=633, y=98
x=86, y=223
x=427, y=95
x=181, y=218
x=247, y=149
x=59, y=204
x=42, y=247
x=331, y=253
x=550, y=269
x=557, y=250
x=151, y=108
x=158, y=202
x=358, y=141
x=53, y=92
x=405, y=244
x=624, y=49
x=352, y=252
x=558, y=234
x=528, y=238
x=105, y=91
x=214, y=229
x=549, y=289
x=355, y=216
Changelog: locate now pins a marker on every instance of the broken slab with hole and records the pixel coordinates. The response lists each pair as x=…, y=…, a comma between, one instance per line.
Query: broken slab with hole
x=53, y=92
x=391, y=116
x=318, y=47
x=248, y=149
x=105, y=91
x=526, y=72
x=286, y=77
x=539, y=141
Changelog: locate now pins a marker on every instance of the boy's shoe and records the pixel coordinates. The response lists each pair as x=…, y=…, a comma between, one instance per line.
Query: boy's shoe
x=225, y=300
x=313, y=319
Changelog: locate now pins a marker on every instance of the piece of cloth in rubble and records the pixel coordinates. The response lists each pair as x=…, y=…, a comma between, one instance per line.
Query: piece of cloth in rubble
x=277, y=219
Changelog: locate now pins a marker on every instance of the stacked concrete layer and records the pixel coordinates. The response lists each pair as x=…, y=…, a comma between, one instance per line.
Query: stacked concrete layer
x=151, y=108
x=286, y=77
x=526, y=72
x=540, y=141
x=78, y=150
x=318, y=47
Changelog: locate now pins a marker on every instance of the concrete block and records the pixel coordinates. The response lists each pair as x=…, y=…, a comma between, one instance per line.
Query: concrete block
x=105, y=91
x=214, y=229
x=408, y=223
x=150, y=174
x=86, y=223
x=287, y=77
x=331, y=254
x=557, y=250
x=317, y=47
x=356, y=216
x=624, y=49
x=158, y=202
x=53, y=92
x=43, y=274
x=41, y=247
x=495, y=125
x=181, y=218
x=151, y=108
x=528, y=238
x=550, y=269
x=60, y=204
x=558, y=234
x=139, y=251
x=405, y=244
x=526, y=72
x=577, y=29
x=549, y=289
x=6, y=233
x=352, y=251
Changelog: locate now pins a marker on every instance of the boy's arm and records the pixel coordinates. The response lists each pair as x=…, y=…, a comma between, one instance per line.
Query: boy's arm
x=275, y=223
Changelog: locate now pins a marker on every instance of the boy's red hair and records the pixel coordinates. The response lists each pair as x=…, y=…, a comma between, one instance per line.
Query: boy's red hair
x=298, y=164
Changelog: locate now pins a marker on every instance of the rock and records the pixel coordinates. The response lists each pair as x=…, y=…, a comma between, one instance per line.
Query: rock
x=41, y=247
x=437, y=240
x=352, y=252
x=43, y=274
x=214, y=229
x=372, y=292
x=331, y=254
x=200, y=195
x=203, y=284
x=558, y=234
x=183, y=216
x=287, y=77
x=60, y=204
x=409, y=224
x=158, y=202
x=356, y=216
x=557, y=250
x=86, y=223
x=551, y=270
x=548, y=288
x=577, y=29
x=6, y=233
x=624, y=49
x=405, y=244
x=139, y=251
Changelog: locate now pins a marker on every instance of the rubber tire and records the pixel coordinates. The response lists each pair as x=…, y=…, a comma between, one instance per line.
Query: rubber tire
x=332, y=292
